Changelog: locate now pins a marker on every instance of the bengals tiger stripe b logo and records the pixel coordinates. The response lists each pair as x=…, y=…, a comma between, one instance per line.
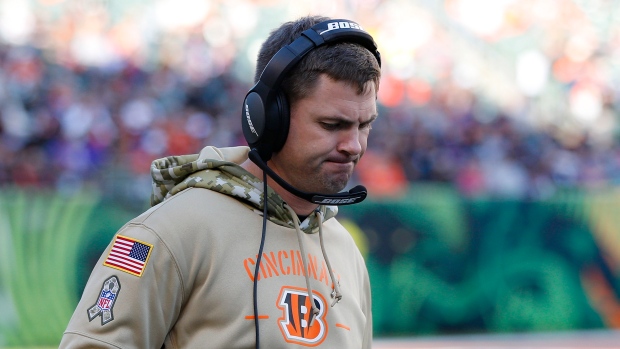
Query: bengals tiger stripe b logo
x=297, y=315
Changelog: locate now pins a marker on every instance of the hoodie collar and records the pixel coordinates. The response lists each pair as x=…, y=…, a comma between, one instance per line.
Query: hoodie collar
x=218, y=169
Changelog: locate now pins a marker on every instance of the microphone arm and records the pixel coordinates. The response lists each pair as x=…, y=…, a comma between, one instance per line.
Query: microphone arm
x=353, y=196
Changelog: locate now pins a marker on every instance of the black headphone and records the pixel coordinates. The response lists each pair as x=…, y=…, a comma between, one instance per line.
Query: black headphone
x=265, y=115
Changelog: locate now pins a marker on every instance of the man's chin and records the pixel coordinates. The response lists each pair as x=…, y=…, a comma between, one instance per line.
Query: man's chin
x=331, y=183
x=335, y=186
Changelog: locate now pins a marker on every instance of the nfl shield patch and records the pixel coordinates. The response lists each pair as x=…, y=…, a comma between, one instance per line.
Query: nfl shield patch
x=105, y=302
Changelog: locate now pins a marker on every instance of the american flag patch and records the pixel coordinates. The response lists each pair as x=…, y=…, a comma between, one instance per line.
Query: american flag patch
x=128, y=255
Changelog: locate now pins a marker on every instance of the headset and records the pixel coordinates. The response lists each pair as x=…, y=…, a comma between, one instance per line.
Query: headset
x=266, y=117
x=266, y=114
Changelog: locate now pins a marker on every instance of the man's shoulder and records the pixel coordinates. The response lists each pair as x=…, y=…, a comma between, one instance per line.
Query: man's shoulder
x=339, y=231
x=192, y=205
x=194, y=216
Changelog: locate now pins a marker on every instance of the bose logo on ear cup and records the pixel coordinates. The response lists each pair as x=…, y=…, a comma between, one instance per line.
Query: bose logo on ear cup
x=342, y=25
x=247, y=116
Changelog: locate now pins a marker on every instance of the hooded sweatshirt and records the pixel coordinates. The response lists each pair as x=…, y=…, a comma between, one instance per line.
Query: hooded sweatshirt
x=181, y=275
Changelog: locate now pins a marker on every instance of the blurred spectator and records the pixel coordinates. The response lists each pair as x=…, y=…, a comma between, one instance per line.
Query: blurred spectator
x=95, y=93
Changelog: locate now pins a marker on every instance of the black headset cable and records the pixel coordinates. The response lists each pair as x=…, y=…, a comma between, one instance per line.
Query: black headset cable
x=258, y=259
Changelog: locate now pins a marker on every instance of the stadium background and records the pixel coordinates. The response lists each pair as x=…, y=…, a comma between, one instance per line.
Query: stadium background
x=492, y=171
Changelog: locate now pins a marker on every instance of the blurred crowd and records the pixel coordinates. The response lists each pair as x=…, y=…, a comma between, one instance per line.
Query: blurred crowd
x=501, y=157
x=70, y=119
x=70, y=127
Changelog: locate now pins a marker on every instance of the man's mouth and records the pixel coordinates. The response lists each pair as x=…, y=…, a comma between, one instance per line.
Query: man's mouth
x=353, y=160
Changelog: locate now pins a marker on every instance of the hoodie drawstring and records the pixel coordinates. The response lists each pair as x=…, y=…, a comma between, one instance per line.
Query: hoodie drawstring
x=336, y=291
x=336, y=295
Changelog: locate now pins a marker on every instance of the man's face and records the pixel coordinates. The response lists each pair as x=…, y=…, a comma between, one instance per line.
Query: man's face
x=327, y=136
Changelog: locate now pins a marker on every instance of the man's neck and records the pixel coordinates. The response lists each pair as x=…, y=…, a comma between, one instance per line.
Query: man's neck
x=300, y=206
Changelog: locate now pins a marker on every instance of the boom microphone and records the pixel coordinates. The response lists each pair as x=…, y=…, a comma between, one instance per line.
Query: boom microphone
x=353, y=196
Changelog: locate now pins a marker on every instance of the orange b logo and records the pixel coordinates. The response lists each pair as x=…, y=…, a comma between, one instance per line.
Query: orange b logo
x=296, y=323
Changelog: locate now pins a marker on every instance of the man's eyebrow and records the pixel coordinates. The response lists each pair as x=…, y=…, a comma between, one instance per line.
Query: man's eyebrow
x=373, y=118
x=344, y=120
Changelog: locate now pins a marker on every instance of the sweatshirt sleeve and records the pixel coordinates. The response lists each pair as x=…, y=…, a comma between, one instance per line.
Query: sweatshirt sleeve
x=132, y=298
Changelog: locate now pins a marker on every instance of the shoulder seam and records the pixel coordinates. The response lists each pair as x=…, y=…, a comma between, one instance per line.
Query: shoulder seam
x=163, y=243
x=165, y=202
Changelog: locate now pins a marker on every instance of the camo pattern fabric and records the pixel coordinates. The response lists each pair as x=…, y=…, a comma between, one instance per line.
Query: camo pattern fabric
x=174, y=174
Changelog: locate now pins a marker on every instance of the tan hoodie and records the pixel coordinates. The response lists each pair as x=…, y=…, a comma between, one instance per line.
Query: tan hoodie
x=181, y=274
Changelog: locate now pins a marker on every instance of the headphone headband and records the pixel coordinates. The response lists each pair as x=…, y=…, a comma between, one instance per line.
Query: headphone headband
x=324, y=33
x=265, y=118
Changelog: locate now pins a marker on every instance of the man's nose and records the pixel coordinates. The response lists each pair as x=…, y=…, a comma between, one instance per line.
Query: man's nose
x=350, y=142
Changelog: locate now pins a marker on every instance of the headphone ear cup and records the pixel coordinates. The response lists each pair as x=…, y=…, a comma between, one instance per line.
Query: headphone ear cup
x=253, y=119
x=265, y=123
x=284, y=121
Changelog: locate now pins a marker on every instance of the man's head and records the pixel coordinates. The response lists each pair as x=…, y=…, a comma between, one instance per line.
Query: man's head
x=330, y=95
x=310, y=112
x=290, y=63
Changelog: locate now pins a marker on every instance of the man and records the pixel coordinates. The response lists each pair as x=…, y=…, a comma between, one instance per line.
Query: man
x=214, y=265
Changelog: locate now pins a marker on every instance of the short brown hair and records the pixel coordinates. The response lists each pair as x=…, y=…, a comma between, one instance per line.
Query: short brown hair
x=344, y=61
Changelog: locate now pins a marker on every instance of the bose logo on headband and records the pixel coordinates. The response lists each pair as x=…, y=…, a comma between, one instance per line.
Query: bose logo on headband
x=342, y=25
x=247, y=116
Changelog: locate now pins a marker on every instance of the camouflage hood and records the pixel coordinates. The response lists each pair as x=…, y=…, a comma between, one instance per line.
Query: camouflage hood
x=218, y=169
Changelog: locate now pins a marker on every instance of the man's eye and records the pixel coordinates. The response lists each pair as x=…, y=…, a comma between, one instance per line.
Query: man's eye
x=330, y=126
x=366, y=125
